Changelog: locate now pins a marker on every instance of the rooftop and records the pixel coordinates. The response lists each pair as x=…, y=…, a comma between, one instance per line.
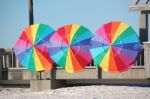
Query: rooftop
x=139, y=5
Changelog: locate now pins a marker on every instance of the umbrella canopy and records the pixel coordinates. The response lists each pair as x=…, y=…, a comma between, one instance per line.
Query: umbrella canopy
x=32, y=48
x=70, y=47
x=115, y=47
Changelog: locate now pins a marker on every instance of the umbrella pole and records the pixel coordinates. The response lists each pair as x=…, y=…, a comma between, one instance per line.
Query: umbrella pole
x=31, y=19
x=40, y=75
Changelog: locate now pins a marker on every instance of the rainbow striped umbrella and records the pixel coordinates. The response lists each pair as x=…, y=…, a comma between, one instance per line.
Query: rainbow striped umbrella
x=115, y=47
x=70, y=47
x=32, y=48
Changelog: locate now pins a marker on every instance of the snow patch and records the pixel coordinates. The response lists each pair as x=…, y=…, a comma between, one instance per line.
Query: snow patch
x=82, y=92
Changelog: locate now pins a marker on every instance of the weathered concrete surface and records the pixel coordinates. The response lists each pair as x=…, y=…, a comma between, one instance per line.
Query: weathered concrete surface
x=147, y=58
x=40, y=85
x=134, y=73
x=20, y=74
x=88, y=73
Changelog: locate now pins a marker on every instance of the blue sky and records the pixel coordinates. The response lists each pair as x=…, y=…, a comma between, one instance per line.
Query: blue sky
x=90, y=13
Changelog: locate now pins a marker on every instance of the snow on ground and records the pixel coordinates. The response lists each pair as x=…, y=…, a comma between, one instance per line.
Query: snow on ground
x=80, y=92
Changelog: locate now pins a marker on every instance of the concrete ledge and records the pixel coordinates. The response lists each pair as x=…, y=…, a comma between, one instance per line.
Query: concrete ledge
x=134, y=82
x=133, y=73
x=137, y=72
x=20, y=74
x=87, y=73
x=14, y=82
x=40, y=85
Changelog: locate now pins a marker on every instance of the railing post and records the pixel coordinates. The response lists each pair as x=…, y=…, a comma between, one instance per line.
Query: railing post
x=17, y=63
x=143, y=26
x=1, y=62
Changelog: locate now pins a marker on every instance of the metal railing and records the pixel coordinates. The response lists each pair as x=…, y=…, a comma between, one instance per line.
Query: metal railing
x=9, y=60
x=140, y=59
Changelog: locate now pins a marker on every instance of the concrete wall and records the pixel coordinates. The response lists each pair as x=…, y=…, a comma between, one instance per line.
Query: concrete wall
x=21, y=74
x=88, y=73
x=60, y=73
x=134, y=73
x=147, y=58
